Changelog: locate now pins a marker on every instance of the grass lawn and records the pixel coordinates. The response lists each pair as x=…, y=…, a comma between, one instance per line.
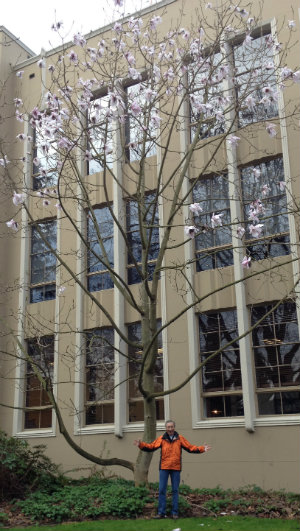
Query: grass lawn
x=222, y=523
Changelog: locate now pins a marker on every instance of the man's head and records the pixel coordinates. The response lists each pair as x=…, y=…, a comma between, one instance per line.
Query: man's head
x=170, y=427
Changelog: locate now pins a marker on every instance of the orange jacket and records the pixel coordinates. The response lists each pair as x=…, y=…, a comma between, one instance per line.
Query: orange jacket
x=170, y=456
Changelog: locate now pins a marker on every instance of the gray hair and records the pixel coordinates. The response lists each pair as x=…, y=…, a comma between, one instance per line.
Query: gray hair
x=167, y=422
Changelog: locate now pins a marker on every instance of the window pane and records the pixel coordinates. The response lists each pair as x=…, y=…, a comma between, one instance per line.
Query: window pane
x=140, y=130
x=104, y=221
x=43, y=262
x=100, y=135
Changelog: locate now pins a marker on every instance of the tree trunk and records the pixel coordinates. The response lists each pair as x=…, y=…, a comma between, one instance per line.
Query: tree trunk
x=144, y=458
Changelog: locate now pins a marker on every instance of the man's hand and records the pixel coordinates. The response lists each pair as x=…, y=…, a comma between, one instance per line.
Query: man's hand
x=137, y=442
x=206, y=447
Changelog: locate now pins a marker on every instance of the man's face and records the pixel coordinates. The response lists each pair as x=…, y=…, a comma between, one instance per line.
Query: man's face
x=170, y=428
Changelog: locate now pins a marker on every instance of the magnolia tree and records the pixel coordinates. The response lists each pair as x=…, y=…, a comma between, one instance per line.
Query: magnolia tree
x=145, y=99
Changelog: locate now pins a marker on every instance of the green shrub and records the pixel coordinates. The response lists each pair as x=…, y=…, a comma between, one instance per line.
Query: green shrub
x=98, y=497
x=23, y=468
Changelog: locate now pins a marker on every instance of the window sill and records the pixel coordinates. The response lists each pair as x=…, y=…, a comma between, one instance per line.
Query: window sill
x=95, y=428
x=221, y=423
x=28, y=434
x=278, y=420
x=139, y=426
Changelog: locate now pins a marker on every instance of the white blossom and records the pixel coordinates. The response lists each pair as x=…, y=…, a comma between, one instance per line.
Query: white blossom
x=256, y=230
x=246, y=262
x=191, y=231
x=12, y=224
x=196, y=208
x=233, y=140
x=18, y=199
x=240, y=231
x=271, y=129
x=20, y=73
x=216, y=220
x=41, y=63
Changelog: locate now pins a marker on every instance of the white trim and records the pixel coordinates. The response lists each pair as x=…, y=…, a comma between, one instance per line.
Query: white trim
x=134, y=427
x=221, y=423
x=120, y=394
x=278, y=420
x=238, y=251
x=294, y=246
x=189, y=254
x=96, y=428
x=28, y=434
x=79, y=366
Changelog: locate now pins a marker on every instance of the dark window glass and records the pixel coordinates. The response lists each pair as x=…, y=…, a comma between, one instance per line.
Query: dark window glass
x=43, y=262
x=38, y=412
x=272, y=207
x=276, y=349
x=212, y=195
x=222, y=373
x=140, y=129
x=100, y=129
x=207, y=99
x=98, y=275
x=151, y=221
x=254, y=81
x=135, y=402
x=100, y=376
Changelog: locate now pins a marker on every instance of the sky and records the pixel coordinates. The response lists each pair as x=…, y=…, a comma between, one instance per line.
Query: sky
x=31, y=20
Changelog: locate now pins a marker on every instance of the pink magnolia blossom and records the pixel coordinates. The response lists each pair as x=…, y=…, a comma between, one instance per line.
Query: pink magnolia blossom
x=79, y=40
x=286, y=73
x=196, y=208
x=296, y=76
x=20, y=73
x=73, y=56
x=265, y=189
x=118, y=3
x=282, y=185
x=216, y=220
x=61, y=289
x=4, y=161
x=291, y=24
x=246, y=262
x=271, y=129
x=256, y=230
x=191, y=231
x=233, y=140
x=12, y=224
x=41, y=63
x=21, y=136
x=135, y=108
x=154, y=22
x=58, y=206
x=107, y=149
x=250, y=103
x=18, y=199
x=88, y=155
x=208, y=5
x=256, y=173
x=46, y=202
x=240, y=231
x=18, y=102
x=248, y=40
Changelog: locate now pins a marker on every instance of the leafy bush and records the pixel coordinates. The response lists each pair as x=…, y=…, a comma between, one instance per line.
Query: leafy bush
x=23, y=468
x=98, y=497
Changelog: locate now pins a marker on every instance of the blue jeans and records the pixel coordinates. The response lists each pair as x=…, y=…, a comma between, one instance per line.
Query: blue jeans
x=163, y=482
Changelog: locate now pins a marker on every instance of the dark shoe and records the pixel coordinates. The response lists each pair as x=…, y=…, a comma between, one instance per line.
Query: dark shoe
x=157, y=516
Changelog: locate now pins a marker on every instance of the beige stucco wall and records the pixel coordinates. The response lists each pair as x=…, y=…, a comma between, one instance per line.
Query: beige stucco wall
x=269, y=457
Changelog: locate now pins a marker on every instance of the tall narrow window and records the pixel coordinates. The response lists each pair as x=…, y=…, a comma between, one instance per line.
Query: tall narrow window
x=271, y=208
x=207, y=98
x=43, y=262
x=100, y=376
x=100, y=135
x=151, y=222
x=135, y=400
x=98, y=274
x=38, y=413
x=213, y=245
x=256, y=79
x=221, y=375
x=276, y=348
x=140, y=124
x=45, y=156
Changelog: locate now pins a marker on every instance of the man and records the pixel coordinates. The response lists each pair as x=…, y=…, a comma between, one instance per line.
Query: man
x=171, y=444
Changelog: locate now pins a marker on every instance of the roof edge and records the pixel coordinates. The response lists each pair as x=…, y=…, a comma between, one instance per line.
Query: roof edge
x=17, y=40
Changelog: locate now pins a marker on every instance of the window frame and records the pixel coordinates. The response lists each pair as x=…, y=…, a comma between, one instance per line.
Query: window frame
x=103, y=274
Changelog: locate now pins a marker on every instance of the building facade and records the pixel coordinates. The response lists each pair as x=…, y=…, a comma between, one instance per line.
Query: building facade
x=245, y=401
